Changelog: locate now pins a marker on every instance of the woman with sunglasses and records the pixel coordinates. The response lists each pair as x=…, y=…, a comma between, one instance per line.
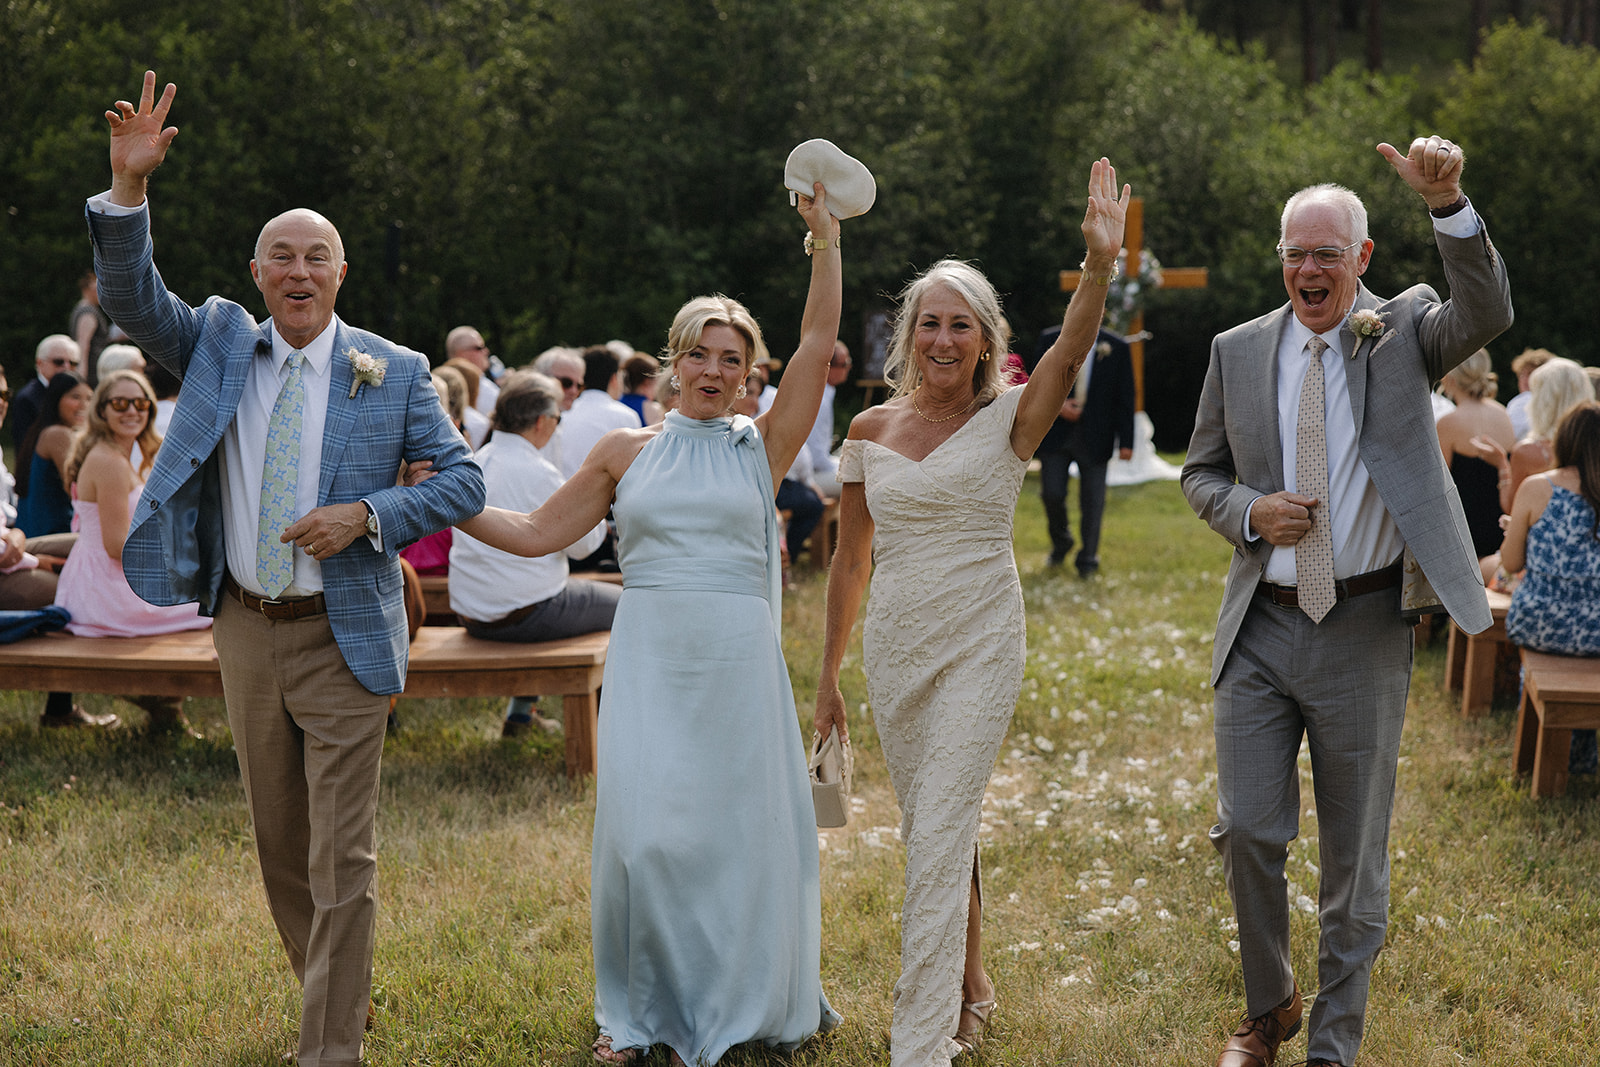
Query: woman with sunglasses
x=106, y=488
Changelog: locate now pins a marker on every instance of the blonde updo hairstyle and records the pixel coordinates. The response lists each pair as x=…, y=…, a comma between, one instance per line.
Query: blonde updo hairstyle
x=900, y=367
x=1474, y=376
x=690, y=323
x=98, y=429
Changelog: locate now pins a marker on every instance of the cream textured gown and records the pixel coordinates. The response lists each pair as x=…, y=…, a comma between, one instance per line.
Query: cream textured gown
x=944, y=645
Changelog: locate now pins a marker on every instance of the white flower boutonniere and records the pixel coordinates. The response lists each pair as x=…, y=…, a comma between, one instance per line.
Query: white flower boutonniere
x=1366, y=323
x=367, y=370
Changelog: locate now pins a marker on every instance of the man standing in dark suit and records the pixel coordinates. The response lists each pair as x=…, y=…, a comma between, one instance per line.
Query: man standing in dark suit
x=1096, y=420
x=273, y=504
x=1314, y=454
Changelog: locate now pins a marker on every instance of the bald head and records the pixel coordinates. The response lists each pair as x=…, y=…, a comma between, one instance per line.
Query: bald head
x=301, y=216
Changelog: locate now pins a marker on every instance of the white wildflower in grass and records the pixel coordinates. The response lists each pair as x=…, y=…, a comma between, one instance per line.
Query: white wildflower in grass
x=1233, y=946
x=1044, y=744
x=1164, y=915
x=1141, y=883
x=1305, y=904
x=1024, y=946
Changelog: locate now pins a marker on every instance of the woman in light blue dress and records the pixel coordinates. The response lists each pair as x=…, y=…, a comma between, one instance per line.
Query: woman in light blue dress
x=705, y=895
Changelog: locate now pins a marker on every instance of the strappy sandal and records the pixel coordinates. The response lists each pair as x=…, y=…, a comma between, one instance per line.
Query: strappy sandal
x=970, y=1037
x=604, y=1053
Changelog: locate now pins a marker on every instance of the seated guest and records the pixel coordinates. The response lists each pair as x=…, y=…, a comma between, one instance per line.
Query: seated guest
x=505, y=597
x=43, y=506
x=26, y=586
x=596, y=411
x=474, y=423
x=101, y=470
x=118, y=357
x=1554, y=389
x=1554, y=532
x=431, y=555
x=1530, y=360
x=56, y=353
x=639, y=388
x=1470, y=387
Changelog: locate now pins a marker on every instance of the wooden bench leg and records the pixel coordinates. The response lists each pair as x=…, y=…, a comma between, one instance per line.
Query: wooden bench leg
x=1477, y=676
x=1550, y=762
x=580, y=721
x=1525, y=738
x=1455, y=658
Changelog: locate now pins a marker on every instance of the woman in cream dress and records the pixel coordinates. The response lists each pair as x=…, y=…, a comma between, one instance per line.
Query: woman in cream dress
x=930, y=483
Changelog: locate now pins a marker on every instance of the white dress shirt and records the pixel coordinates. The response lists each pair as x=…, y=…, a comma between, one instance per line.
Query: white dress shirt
x=593, y=415
x=819, y=442
x=487, y=584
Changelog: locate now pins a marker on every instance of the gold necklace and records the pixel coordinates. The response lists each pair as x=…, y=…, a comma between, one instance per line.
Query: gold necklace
x=918, y=408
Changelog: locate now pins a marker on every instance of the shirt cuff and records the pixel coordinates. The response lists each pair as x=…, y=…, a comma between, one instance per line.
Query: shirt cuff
x=375, y=540
x=102, y=204
x=1463, y=223
x=1250, y=536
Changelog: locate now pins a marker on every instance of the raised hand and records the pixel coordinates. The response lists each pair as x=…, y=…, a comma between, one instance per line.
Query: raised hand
x=139, y=140
x=1105, y=216
x=814, y=209
x=1432, y=167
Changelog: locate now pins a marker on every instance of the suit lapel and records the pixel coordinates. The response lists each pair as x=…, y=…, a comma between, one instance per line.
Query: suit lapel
x=236, y=371
x=342, y=410
x=1355, y=371
x=1264, y=390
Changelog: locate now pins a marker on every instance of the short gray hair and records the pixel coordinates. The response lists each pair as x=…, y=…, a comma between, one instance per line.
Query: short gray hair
x=1347, y=202
x=525, y=396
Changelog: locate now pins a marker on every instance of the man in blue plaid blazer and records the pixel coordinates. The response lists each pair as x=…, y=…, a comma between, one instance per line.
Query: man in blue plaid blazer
x=307, y=667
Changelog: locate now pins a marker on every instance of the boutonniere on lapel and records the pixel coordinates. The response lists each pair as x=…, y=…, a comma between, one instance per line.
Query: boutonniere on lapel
x=365, y=370
x=1366, y=323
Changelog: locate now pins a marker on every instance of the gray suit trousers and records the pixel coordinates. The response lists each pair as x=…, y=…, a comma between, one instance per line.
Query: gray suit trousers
x=1342, y=685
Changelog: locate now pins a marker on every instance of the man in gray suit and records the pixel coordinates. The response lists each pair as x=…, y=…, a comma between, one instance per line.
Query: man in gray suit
x=1330, y=487
x=273, y=504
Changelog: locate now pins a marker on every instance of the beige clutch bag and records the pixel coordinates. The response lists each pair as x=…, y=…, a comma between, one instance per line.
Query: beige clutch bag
x=832, y=767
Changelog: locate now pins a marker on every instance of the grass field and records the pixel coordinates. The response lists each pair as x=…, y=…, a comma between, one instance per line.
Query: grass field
x=133, y=928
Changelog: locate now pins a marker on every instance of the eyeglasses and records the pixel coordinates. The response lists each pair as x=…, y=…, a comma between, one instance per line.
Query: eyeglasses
x=1327, y=256
x=122, y=403
x=568, y=383
x=552, y=415
x=58, y=361
x=5, y=396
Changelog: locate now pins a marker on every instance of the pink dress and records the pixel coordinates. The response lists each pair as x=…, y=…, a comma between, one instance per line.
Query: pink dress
x=92, y=587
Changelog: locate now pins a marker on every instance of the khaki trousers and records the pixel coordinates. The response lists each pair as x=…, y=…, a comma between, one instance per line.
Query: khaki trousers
x=310, y=738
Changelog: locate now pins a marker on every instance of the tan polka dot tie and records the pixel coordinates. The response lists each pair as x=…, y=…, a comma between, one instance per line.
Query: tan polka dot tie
x=1313, y=556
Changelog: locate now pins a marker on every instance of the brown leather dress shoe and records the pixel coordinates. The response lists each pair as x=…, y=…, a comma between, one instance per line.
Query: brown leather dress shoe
x=1255, y=1043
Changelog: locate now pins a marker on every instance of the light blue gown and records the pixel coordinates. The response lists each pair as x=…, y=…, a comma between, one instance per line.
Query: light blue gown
x=705, y=893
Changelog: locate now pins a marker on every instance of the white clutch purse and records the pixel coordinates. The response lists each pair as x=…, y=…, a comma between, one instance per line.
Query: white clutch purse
x=832, y=767
x=850, y=185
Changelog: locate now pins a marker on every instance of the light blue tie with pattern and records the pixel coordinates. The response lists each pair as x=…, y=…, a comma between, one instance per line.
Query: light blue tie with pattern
x=280, y=479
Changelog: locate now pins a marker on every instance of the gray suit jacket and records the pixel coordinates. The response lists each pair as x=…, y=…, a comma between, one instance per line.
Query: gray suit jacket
x=1236, y=455
x=174, y=552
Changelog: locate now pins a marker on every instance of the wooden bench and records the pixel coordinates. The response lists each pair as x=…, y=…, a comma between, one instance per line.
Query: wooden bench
x=445, y=662
x=436, y=594
x=1470, y=659
x=1559, y=694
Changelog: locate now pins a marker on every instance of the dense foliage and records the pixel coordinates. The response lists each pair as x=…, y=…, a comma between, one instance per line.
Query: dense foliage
x=566, y=171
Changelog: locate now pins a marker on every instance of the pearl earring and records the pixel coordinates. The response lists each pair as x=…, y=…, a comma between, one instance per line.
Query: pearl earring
x=741, y=393
x=675, y=383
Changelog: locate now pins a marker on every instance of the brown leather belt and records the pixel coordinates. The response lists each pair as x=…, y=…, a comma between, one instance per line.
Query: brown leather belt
x=506, y=620
x=1344, y=588
x=288, y=608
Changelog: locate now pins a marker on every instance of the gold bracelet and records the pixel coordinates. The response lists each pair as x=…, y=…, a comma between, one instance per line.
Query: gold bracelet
x=813, y=244
x=1100, y=279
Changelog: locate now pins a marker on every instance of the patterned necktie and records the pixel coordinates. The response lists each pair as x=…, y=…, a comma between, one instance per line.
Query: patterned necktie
x=280, y=481
x=1313, y=555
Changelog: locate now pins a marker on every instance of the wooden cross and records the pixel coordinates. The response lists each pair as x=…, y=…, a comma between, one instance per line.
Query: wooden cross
x=1171, y=278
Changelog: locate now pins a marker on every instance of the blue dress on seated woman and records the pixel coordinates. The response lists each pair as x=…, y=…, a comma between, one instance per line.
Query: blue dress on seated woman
x=1557, y=606
x=47, y=509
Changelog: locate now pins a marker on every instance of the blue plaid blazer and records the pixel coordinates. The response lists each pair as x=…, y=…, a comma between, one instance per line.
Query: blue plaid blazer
x=174, y=551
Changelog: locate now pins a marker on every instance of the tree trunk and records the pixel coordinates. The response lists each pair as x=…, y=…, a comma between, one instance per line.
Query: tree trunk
x=1480, y=21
